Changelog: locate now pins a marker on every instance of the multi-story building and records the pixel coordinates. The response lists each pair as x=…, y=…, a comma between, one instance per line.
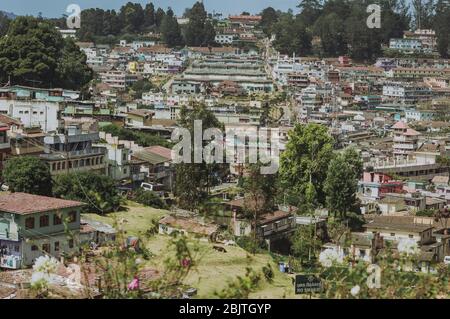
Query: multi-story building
x=225, y=38
x=406, y=93
x=375, y=185
x=406, y=45
x=35, y=107
x=406, y=140
x=73, y=152
x=118, y=79
x=32, y=226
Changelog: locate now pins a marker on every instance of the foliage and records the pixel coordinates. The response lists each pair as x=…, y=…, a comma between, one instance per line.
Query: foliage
x=34, y=53
x=397, y=280
x=260, y=191
x=341, y=183
x=306, y=243
x=170, y=30
x=28, y=174
x=141, y=86
x=241, y=287
x=176, y=268
x=268, y=18
x=97, y=191
x=199, y=31
x=442, y=27
x=4, y=24
x=268, y=273
x=291, y=35
x=148, y=198
x=141, y=138
x=194, y=180
x=250, y=245
x=304, y=164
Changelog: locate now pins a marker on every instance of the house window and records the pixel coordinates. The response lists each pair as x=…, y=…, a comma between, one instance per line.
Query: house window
x=44, y=221
x=72, y=217
x=29, y=223
x=16, y=248
x=411, y=236
x=56, y=245
x=392, y=234
x=70, y=243
x=34, y=248
x=57, y=220
x=46, y=248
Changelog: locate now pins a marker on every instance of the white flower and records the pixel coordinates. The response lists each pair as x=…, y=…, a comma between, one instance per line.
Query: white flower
x=138, y=261
x=45, y=264
x=408, y=246
x=38, y=277
x=355, y=290
x=328, y=257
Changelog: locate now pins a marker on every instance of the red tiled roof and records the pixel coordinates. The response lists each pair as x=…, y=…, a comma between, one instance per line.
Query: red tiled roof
x=400, y=125
x=23, y=203
x=160, y=150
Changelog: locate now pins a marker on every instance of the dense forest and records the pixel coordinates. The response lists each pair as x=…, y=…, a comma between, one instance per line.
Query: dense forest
x=341, y=26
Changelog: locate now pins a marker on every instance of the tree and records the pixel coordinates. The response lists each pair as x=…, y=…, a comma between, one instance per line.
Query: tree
x=310, y=11
x=132, y=17
x=363, y=43
x=194, y=180
x=260, y=192
x=4, y=24
x=159, y=15
x=304, y=163
x=170, y=30
x=149, y=15
x=291, y=35
x=442, y=27
x=34, y=53
x=330, y=29
x=29, y=175
x=199, y=31
x=141, y=86
x=423, y=13
x=340, y=186
x=72, y=69
x=268, y=18
x=305, y=243
x=97, y=191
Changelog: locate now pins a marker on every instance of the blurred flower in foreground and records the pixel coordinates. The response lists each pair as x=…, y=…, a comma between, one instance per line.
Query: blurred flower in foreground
x=328, y=257
x=355, y=290
x=408, y=247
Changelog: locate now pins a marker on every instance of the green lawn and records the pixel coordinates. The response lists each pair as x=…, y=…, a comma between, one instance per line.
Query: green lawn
x=136, y=219
x=214, y=268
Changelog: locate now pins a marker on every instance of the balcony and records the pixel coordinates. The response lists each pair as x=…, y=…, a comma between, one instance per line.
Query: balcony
x=94, y=151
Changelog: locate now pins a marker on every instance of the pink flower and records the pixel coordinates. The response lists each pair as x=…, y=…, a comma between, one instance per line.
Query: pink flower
x=185, y=262
x=134, y=284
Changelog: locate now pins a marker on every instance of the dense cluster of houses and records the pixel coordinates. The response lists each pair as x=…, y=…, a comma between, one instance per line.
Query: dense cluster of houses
x=394, y=112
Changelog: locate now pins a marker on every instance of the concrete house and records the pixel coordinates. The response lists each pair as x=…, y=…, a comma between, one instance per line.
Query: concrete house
x=32, y=226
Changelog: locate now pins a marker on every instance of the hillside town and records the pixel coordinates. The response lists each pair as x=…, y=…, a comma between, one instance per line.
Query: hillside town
x=91, y=177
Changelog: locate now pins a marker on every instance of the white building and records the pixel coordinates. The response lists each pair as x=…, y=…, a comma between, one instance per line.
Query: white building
x=41, y=114
x=225, y=38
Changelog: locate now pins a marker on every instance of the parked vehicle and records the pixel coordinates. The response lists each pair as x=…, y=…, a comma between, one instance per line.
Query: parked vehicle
x=152, y=187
